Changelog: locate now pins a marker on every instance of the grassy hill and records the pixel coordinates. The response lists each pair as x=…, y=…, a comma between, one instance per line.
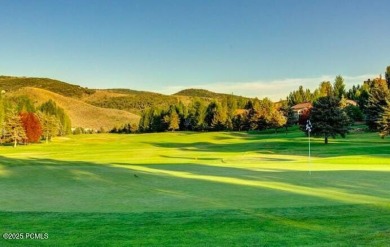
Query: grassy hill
x=81, y=114
x=136, y=101
x=192, y=92
x=10, y=83
x=129, y=100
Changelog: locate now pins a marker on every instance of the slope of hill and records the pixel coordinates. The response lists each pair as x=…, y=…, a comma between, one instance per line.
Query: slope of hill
x=129, y=100
x=202, y=93
x=10, y=83
x=192, y=92
x=81, y=114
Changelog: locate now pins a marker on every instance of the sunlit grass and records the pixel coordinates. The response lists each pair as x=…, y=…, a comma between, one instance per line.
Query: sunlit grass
x=183, y=181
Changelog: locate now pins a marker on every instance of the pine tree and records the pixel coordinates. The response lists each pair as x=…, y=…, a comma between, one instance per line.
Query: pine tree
x=325, y=89
x=339, y=87
x=174, y=121
x=216, y=115
x=384, y=121
x=146, y=120
x=376, y=102
x=328, y=118
x=196, y=115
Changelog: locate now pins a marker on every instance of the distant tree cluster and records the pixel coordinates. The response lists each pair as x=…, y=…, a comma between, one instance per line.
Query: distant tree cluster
x=328, y=118
x=326, y=88
x=21, y=122
x=136, y=104
x=333, y=110
x=125, y=129
x=216, y=115
x=81, y=130
x=50, y=108
x=332, y=113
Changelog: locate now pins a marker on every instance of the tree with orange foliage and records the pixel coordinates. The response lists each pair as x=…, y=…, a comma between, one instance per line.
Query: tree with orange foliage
x=32, y=126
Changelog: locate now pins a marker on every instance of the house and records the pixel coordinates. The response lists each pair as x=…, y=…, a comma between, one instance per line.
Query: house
x=351, y=102
x=299, y=108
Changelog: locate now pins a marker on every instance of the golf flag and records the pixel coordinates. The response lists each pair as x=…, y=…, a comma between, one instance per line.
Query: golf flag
x=308, y=126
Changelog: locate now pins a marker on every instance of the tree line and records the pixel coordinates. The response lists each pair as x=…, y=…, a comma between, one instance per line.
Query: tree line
x=331, y=115
x=22, y=123
x=217, y=115
x=332, y=100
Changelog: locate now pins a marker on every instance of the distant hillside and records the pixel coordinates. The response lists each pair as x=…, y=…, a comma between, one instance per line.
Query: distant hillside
x=126, y=91
x=192, y=92
x=132, y=101
x=129, y=100
x=10, y=83
x=81, y=114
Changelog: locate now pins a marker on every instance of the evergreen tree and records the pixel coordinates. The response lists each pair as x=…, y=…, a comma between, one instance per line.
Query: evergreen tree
x=23, y=104
x=354, y=113
x=384, y=121
x=339, y=87
x=231, y=109
x=251, y=117
x=328, y=118
x=239, y=122
x=173, y=120
x=157, y=120
x=363, y=95
x=197, y=115
x=182, y=111
x=387, y=75
x=325, y=89
x=143, y=122
x=377, y=100
x=353, y=93
x=215, y=116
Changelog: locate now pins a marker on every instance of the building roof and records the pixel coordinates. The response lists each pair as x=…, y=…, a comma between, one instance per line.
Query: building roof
x=302, y=106
x=240, y=111
x=351, y=102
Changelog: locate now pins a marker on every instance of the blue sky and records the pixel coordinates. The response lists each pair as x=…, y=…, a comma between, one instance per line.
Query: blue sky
x=251, y=48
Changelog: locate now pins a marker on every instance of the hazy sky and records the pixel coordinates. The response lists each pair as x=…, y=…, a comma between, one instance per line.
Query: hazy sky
x=251, y=48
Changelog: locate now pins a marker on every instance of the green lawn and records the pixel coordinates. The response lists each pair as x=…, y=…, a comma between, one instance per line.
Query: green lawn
x=203, y=189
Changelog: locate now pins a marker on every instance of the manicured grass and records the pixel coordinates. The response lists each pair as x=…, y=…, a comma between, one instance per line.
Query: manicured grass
x=216, y=189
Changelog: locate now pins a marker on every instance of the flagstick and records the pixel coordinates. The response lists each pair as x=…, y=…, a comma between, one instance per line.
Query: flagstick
x=309, y=154
x=308, y=128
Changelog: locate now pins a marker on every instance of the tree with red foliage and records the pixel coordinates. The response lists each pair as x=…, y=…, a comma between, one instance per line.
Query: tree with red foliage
x=32, y=126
